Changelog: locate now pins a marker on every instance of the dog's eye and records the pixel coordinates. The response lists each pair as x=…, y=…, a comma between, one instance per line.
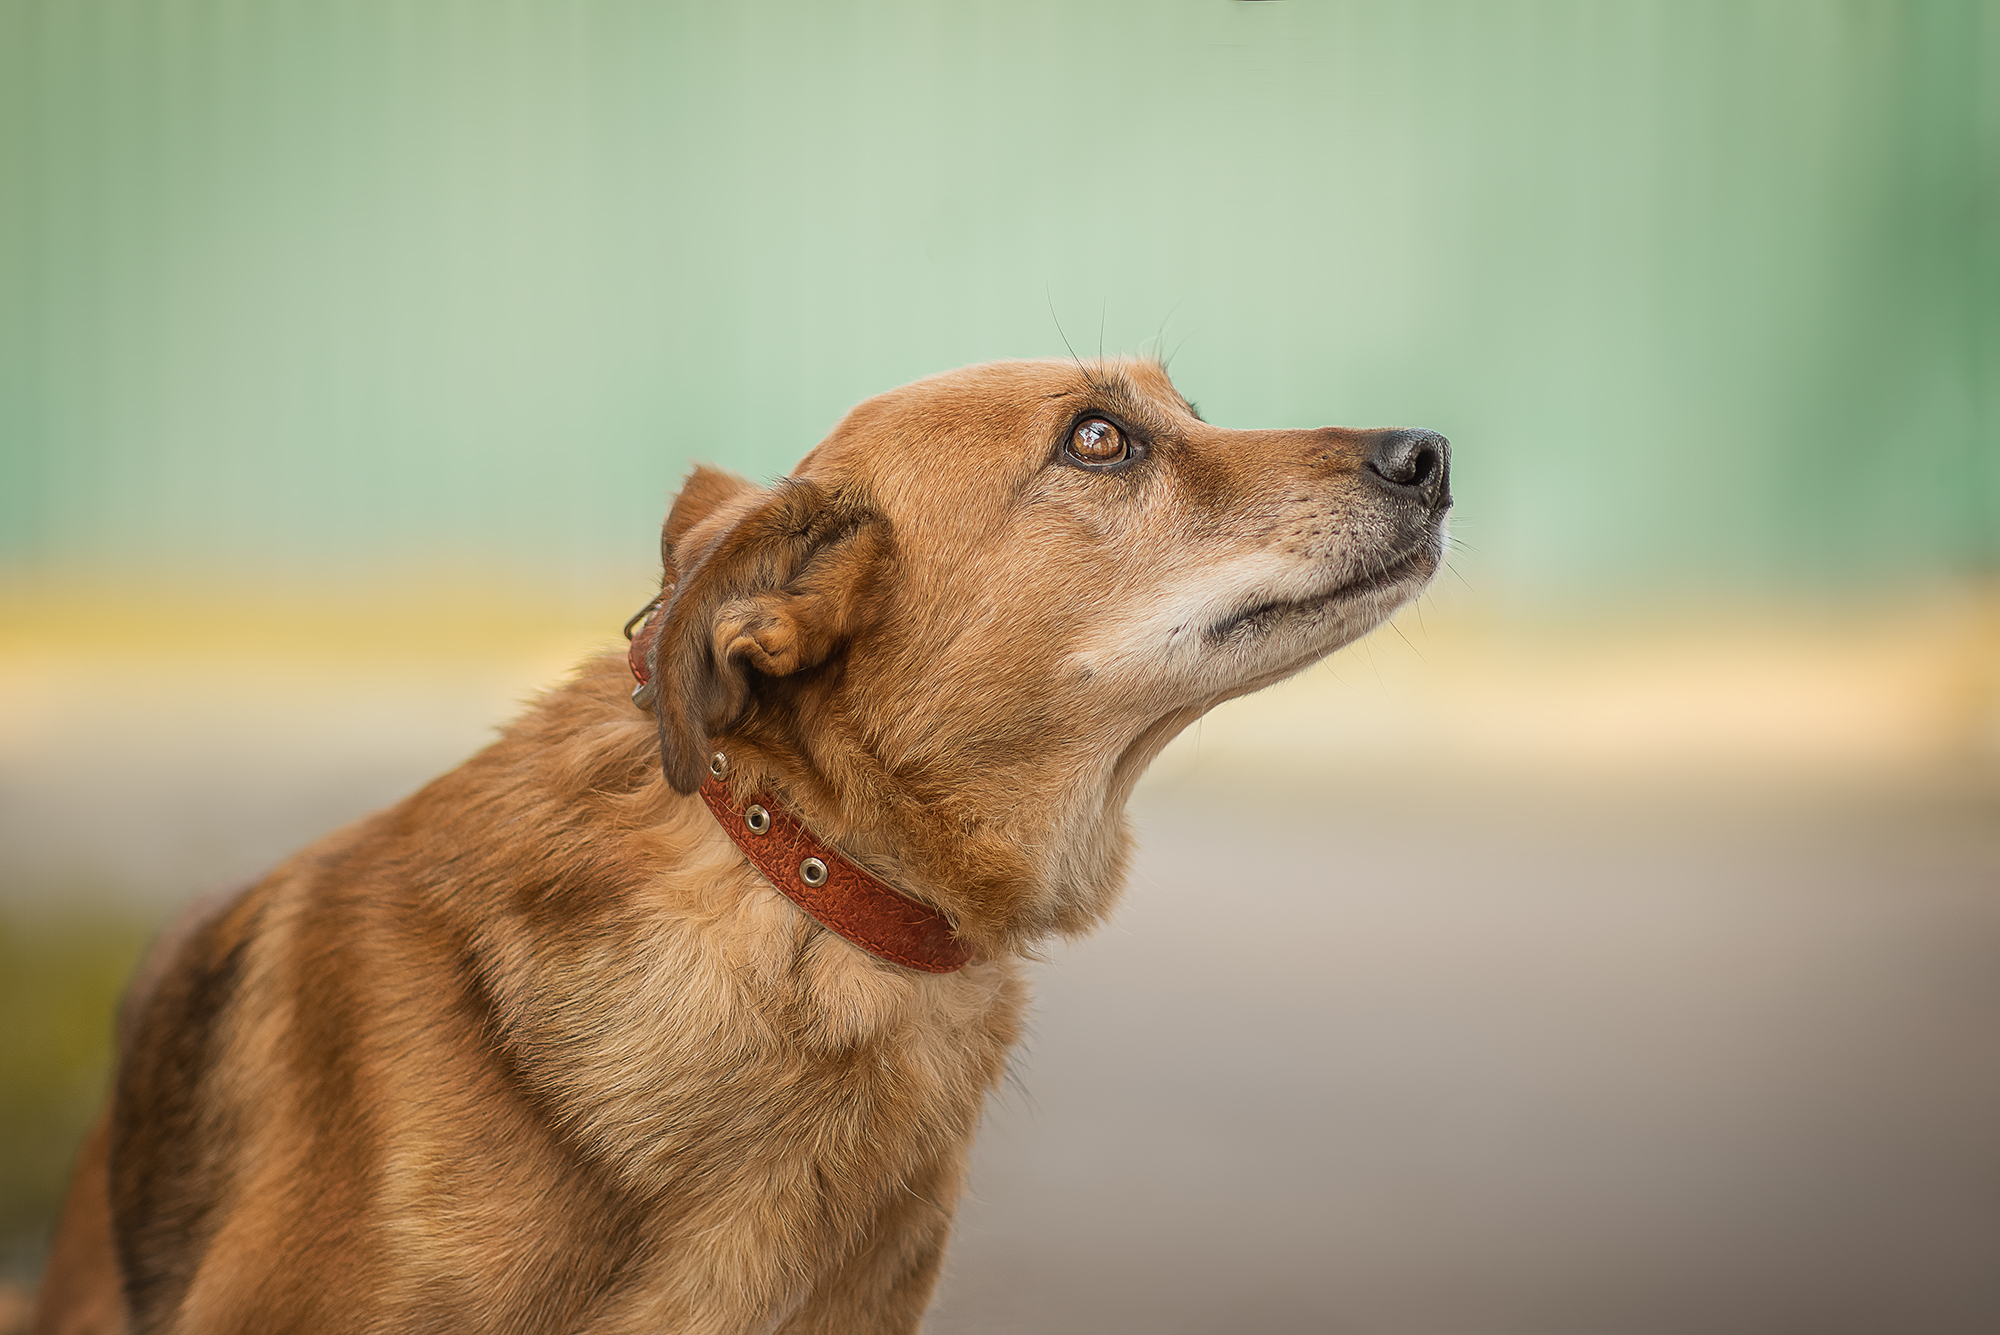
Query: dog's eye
x=1096, y=441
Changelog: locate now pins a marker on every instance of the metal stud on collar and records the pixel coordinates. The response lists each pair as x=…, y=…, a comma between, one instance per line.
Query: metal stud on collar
x=813, y=872
x=757, y=819
x=718, y=764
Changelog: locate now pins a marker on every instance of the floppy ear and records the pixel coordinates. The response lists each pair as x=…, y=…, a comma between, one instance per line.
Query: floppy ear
x=705, y=491
x=783, y=584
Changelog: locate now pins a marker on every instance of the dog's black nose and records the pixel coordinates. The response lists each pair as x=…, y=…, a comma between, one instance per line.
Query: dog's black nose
x=1413, y=463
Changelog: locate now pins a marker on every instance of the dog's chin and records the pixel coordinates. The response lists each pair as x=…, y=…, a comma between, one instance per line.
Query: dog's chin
x=1396, y=579
x=1274, y=639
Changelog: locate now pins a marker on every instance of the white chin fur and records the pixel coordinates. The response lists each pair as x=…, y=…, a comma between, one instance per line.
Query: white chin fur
x=1165, y=640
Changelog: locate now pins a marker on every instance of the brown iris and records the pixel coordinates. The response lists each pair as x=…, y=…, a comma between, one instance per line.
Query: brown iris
x=1096, y=441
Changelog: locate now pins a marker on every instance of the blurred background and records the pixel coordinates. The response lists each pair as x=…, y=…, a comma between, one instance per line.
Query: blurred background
x=1612, y=945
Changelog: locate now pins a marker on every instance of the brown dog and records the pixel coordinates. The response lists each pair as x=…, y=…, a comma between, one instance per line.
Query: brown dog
x=539, y=1050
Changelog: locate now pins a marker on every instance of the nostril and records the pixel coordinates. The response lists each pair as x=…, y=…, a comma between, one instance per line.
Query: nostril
x=1390, y=468
x=1423, y=465
x=1411, y=462
x=1405, y=458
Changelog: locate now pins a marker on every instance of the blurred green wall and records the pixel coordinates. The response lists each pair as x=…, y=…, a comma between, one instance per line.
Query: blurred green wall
x=1706, y=293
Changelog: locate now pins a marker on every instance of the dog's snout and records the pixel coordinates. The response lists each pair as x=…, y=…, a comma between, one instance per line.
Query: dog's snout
x=1413, y=463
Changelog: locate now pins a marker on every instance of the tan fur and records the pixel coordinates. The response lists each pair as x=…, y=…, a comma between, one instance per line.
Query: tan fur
x=536, y=1050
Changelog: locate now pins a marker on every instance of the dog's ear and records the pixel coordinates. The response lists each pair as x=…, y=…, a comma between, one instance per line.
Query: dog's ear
x=705, y=491
x=785, y=581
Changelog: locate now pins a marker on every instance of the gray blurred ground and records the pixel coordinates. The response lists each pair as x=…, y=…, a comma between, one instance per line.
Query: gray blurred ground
x=1427, y=1058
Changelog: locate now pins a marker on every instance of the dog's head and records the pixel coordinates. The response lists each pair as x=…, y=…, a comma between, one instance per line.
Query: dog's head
x=961, y=630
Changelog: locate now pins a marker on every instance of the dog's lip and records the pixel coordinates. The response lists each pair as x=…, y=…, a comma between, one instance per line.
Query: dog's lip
x=1271, y=611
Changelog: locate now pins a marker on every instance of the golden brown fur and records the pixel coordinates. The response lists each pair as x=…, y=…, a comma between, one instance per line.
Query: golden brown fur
x=537, y=1050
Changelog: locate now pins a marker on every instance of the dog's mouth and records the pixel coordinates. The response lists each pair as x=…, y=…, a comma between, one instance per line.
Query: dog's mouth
x=1258, y=620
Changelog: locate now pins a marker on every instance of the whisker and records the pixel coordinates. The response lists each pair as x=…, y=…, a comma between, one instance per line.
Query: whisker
x=1406, y=640
x=1050, y=296
x=1160, y=338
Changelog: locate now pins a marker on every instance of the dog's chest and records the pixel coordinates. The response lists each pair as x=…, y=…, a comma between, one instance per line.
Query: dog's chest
x=677, y=1061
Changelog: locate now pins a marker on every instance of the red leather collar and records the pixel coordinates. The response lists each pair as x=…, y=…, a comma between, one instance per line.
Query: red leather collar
x=839, y=895
x=844, y=899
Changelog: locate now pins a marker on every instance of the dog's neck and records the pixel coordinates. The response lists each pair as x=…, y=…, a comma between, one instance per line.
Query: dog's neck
x=837, y=892
x=1049, y=860
x=999, y=881
x=831, y=887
